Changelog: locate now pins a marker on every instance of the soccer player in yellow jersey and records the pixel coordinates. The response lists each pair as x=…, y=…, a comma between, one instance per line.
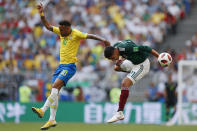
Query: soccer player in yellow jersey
x=70, y=40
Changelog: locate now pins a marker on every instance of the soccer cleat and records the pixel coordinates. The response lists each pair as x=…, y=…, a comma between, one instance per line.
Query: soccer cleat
x=38, y=111
x=48, y=125
x=118, y=116
x=170, y=123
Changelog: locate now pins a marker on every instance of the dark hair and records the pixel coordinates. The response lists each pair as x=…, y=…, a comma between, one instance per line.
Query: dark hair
x=65, y=23
x=108, y=52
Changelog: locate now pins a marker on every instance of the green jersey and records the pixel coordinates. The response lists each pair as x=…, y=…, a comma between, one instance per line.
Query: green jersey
x=130, y=51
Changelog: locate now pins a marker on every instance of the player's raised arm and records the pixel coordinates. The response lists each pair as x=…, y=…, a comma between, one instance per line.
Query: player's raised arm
x=44, y=21
x=95, y=37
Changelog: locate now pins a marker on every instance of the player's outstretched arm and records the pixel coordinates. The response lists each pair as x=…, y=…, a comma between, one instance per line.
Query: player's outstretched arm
x=95, y=37
x=155, y=53
x=44, y=21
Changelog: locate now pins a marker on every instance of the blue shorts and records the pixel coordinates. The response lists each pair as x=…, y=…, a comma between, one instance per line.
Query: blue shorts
x=64, y=72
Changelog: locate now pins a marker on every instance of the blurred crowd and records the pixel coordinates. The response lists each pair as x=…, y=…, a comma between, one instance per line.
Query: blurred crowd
x=27, y=48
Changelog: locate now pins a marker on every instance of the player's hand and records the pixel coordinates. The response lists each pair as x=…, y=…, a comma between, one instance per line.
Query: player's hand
x=107, y=43
x=117, y=68
x=40, y=8
x=119, y=62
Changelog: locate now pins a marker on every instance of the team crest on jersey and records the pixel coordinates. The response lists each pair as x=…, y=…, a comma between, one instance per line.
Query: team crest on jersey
x=135, y=49
x=70, y=37
x=121, y=49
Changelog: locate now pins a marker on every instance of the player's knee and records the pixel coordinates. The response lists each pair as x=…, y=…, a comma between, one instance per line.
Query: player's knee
x=123, y=84
x=126, y=83
x=53, y=86
x=58, y=84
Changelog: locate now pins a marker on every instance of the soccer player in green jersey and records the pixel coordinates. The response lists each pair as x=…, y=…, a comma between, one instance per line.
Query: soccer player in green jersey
x=136, y=64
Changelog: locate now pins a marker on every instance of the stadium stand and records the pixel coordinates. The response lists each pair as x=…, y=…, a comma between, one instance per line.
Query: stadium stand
x=29, y=53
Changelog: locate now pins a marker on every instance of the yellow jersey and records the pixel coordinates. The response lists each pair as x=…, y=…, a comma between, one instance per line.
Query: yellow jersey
x=69, y=45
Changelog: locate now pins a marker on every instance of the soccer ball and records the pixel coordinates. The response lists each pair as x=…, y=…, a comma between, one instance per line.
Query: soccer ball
x=164, y=59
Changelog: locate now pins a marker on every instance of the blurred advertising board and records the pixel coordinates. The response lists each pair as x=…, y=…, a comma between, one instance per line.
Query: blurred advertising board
x=147, y=113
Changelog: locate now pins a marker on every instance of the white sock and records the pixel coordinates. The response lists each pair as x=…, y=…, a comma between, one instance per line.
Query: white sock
x=51, y=99
x=53, y=110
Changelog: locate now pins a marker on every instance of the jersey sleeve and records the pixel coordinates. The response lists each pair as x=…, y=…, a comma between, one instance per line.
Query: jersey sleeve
x=56, y=30
x=81, y=35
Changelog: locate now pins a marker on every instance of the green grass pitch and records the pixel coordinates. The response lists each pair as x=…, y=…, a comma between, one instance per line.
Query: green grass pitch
x=93, y=127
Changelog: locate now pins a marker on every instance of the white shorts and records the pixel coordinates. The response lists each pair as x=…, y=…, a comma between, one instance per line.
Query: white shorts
x=137, y=72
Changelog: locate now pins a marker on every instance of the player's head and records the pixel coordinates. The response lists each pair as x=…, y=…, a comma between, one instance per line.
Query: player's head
x=65, y=27
x=111, y=53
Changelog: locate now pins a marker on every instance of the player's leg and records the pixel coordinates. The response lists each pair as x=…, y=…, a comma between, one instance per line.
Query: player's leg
x=53, y=110
x=170, y=105
x=53, y=98
x=60, y=78
x=52, y=102
x=167, y=111
x=64, y=76
x=126, y=84
x=137, y=72
x=67, y=72
x=40, y=112
x=174, y=118
x=174, y=111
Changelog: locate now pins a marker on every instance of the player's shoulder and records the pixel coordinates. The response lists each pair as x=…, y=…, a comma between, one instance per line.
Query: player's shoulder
x=128, y=41
x=76, y=31
x=55, y=28
x=123, y=43
x=116, y=44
